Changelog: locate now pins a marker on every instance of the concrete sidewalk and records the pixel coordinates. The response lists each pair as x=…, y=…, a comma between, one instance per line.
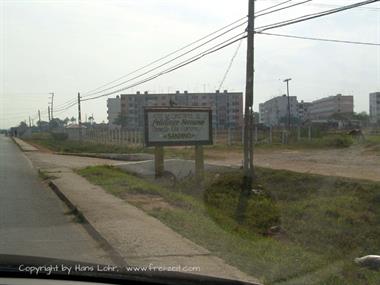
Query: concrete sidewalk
x=139, y=239
x=23, y=145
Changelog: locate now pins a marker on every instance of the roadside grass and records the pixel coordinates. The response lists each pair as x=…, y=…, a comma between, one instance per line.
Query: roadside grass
x=324, y=221
x=45, y=175
x=67, y=146
x=53, y=143
x=372, y=143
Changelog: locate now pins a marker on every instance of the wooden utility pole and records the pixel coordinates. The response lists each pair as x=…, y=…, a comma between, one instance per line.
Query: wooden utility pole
x=39, y=120
x=49, y=112
x=287, y=93
x=79, y=118
x=52, y=104
x=249, y=89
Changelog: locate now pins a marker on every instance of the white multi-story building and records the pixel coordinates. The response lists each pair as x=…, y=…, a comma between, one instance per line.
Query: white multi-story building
x=274, y=112
x=304, y=111
x=374, y=107
x=227, y=107
x=324, y=108
x=113, y=111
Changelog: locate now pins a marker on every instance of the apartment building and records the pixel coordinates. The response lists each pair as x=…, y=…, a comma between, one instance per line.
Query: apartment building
x=374, y=107
x=274, y=112
x=227, y=107
x=113, y=111
x=324, y=108
x=304, y=111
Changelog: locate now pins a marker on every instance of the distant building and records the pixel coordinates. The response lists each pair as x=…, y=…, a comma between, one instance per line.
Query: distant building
x=74, y=131
x=113, y=111
x=325, y=108
x=227, y=107
x=274, y=112
x=304, y=111
x=374, y=107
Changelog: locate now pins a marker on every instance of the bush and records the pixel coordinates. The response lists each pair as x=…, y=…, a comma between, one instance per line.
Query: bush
x=59, y=136
x=339, y=141
x=259, y=210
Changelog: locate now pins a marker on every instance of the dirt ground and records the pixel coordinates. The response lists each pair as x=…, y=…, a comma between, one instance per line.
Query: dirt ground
x=354, y=162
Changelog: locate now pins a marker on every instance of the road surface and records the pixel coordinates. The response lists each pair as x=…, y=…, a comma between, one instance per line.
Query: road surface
x=33, y=220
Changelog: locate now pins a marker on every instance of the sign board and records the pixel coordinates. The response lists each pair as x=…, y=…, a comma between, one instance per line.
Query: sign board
x=177, y=126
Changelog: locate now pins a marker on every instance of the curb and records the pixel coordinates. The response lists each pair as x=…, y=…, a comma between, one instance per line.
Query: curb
x=115, y=256
x=133, y=157
x=14, y=141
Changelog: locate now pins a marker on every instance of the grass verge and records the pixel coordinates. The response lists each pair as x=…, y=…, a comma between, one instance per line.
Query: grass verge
x=324, y=222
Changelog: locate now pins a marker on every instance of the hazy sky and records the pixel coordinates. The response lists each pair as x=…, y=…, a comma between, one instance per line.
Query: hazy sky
x=71, y=46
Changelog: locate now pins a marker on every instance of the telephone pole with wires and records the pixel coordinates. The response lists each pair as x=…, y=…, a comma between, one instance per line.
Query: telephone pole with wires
x=39, y=119
x=79, y=118
x=249, y=90
x=287, y=94
x=51, y=104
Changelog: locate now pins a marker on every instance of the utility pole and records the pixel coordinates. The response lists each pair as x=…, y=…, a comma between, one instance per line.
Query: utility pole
x=49, y=112
x=249, y=89
x=30, y=123
x=39, y=119
x=287, y=92
x=79, y=118
x=52, y=103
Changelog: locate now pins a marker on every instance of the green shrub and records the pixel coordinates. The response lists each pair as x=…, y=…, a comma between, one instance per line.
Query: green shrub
x=338, y=141
x=258, y=211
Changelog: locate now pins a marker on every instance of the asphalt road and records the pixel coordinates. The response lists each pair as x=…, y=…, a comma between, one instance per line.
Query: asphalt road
x=33, y=220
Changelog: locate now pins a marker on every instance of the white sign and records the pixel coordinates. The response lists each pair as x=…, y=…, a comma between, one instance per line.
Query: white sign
x=178, y=126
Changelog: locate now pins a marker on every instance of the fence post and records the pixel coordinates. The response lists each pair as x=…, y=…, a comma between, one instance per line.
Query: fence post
x=270, y=135
x=298, y=133
x=309, y=133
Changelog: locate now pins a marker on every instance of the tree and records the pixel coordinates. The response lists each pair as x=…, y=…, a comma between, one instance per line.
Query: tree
x=73, y=120
x=66, y=121
x=362, y=116
x=23, y=125
x=56, y=123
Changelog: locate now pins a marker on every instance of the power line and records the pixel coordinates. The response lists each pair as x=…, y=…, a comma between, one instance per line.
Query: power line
x=374, y=9
x=274, y=6
x=169, y=61
x=179, y=65
x=230, y=65
x=283, y=8
x=169, y=54
x=91, y=92
x=279, y=24
x=313, y=16
x=319, y=39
